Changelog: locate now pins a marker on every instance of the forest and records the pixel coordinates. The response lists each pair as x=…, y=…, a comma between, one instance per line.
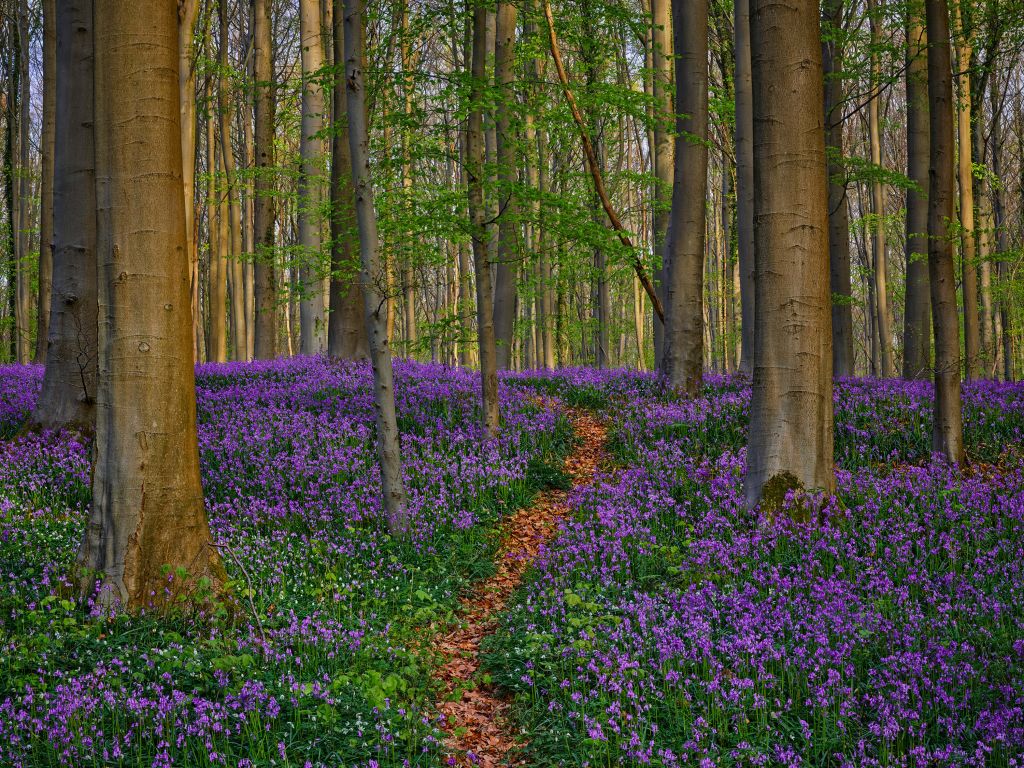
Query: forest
x=393, y=383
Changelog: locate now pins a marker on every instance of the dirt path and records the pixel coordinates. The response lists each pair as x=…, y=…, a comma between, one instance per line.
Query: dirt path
x=477, y=727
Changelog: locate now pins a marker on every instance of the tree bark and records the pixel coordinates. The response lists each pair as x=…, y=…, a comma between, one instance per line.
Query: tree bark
x=264, y=215
x=47, y=147
x=216, y=295
x=147, y=511
x=663, y=148
x=683, y=356
x=745, y=184
x=408, y=273
x=347, y=332
x=24, y=202
x=491, y=415
x=188, y=14
x=791, y=430
x=917, y=340
x=312, y=329
x=68, y=397
x=373, y=280
x=947, y=430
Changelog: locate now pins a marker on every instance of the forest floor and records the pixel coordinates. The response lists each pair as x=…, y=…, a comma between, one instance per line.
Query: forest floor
x=478, y=729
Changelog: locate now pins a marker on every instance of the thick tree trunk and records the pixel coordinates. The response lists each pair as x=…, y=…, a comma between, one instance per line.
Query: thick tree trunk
x=68, y=397
x=663, y=150
x=491, y=415
x=373, y=279
x=947, y=431
x=683, y=356
x=917, y=339
x=347, y=332
x=745, y=184
x=507, y=272
x=47, y=147
x=147, y=511
x=313, y=330
x=791, y=432
x=264, y=278
x=838, y=207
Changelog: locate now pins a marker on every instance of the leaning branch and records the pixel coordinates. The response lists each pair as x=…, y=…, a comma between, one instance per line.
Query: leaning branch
x=595, y=171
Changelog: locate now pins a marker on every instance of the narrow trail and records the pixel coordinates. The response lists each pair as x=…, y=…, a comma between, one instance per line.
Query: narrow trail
x=477, y=724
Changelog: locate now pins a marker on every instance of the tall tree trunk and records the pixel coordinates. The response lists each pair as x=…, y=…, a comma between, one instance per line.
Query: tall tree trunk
x=791, y=433
x=838, y=207
x=68, y=397
x=507, y=272
x=373, y=279
x=745, y=184
x=683, y=356
x=264, y=216
x=917, y=340
x=147, y=510
x=347, y=331
x=664, y=148
x=24, y=202
x=216, y=296
x=968, y=241
x=408, y=91
x=47, y=147
x=188, y=14
x=947, y=430
x=1003, y=240
x=313, y=331
x=491, y=414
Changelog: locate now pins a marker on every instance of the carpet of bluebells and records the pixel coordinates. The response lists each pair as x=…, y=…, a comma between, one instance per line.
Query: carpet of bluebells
x=668, y=625
x=327, y=663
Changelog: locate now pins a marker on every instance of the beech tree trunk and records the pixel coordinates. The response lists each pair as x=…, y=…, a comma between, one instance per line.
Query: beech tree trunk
x=24, y=201
x=917, y=338
x=683, y=356
x=147, y=510
x=46, y=150
x=373, y=278
x=947, y=430
x=491, y=415
x=68, y=397
x=507, y=272
x=791, y=431
x=347, y=337
x=188, y=14
x=745, y=184
x=264, y=215
x=312, y=307
x=663, y=158
x=408, y=273
x=216, y=296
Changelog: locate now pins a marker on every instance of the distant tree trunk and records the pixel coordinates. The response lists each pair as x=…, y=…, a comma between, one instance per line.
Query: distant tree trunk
x=313, y=331
x=347, y=333
x=147, y=511
x=24, y=202
x=188, y=14
x=1003, y=240
x=265, y=281
x=838, y=207
x=216, y=296
x=948, y=433
x=68, y=397
x=745, y=184
x=791, y=437
x=373, y=279
x=46, y=150
x=236, y=274
x=683, y=356
x=917, y=340
x=475, y=172
x=507, y=272
x=408, y=273
x=968, y=236
x=663, y=149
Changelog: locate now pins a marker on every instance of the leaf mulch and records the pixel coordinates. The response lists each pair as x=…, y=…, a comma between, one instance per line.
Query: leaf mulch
x=477, y=726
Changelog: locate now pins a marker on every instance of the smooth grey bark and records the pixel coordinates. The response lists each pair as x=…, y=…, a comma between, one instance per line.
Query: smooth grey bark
x=373, y=278
x=791, y=430
x=917, y=337
x=147, y=512
x=47, y=146
x=838, y=206
x=745, y=183
x=68, y=397
x=663, y=148
x=312, y=306
x=507, y=272
x=408, y=262
x=683, y=356
x=947, y=429
x=23, y=324
x=475, y=148
x=347, y=337
x=264, y=216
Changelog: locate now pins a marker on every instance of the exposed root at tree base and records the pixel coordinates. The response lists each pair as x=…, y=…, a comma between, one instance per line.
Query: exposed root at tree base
x=477, y=724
